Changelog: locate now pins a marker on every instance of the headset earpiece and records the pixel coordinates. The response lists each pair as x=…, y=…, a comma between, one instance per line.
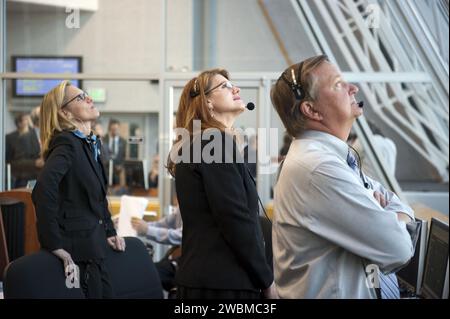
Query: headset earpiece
x=295, y=86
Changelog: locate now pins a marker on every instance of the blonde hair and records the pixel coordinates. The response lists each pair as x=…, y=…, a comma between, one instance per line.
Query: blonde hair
x=51, y=121
x=194, y=106
x=284, y=100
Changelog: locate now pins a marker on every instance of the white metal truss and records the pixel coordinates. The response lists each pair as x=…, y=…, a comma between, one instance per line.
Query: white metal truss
x=422, y=28
x=418, y=112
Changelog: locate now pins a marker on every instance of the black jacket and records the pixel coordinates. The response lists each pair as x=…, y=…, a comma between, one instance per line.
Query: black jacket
x=70, y=200
x=108, y=153
x=22, y=151
x=223, y=246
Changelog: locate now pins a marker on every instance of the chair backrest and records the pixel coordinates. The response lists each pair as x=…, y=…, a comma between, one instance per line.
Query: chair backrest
x=4, y=258
x=41, y=275
x=133, y=273
x=38, y=276
x=30, y=232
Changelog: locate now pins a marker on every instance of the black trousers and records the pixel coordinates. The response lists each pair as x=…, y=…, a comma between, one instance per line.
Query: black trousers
x=166, y=270
x=195, y=293
x=94, y=280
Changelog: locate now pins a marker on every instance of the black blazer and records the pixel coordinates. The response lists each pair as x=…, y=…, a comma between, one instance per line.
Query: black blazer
x=223, y=245
x=70, y=200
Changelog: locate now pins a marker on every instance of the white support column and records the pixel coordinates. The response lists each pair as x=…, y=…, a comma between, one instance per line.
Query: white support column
x=164, y=118
x=263, y=110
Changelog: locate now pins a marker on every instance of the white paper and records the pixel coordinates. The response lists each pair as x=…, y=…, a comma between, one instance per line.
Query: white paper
x=130, y=206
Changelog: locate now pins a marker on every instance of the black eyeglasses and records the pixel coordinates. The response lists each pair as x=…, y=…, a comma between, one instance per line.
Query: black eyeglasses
x=80, y=97
x=226, y=84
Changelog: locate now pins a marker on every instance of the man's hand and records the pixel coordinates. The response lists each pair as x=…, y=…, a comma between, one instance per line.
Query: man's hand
x=116, y=243
x=380, y=199
x=271, y=292
x=383, y=202
x=139, y=225
x=67, y=260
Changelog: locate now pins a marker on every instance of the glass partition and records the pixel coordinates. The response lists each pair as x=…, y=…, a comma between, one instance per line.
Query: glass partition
x=132, y=163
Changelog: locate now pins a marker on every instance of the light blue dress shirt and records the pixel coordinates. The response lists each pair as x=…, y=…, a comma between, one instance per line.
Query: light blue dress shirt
x=328, y=228
x=168, y=230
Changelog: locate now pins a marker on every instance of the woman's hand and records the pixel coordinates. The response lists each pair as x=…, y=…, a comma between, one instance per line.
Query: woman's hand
x=116, y=243
x=139, y=225
x=271, y=292
x=69, y=264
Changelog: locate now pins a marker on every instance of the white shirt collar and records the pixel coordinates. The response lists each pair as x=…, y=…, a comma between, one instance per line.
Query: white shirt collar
x=331, y=141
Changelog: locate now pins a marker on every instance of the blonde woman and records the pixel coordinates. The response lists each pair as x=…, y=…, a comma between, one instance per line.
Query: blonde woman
x=73, y=219
x=223, y=246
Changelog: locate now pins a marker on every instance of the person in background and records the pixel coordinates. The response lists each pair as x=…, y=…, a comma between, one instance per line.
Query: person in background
x=154, y=172
x=223, y=253
x=166, y=231
x=35, y=117
x=73, y=219
x=115, y=149
x=384, y=146
x=23, y=152
x=98, y=130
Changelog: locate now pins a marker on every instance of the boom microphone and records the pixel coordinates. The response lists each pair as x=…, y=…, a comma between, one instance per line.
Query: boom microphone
x=250, y=106
x=360, y=104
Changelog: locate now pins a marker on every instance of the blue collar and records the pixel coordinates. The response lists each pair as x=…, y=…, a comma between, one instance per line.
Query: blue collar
x=91, y=140
x=81, y=135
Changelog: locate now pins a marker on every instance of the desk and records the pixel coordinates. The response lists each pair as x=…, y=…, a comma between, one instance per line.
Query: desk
x=153, y=205
x=423, y=212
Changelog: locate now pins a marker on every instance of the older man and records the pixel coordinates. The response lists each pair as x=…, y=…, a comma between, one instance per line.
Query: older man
x=333, y=226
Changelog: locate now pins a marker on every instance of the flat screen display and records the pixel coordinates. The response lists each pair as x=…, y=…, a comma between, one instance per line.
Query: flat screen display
x=39, y=87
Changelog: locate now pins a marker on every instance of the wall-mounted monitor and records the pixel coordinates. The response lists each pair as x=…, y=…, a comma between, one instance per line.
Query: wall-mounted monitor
x=43, y=64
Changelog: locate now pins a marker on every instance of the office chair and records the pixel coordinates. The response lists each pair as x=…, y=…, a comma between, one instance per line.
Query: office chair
x=41, y=275
x=31, y=242
x=4, y=257
x=37, y=276
x=133, y=273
